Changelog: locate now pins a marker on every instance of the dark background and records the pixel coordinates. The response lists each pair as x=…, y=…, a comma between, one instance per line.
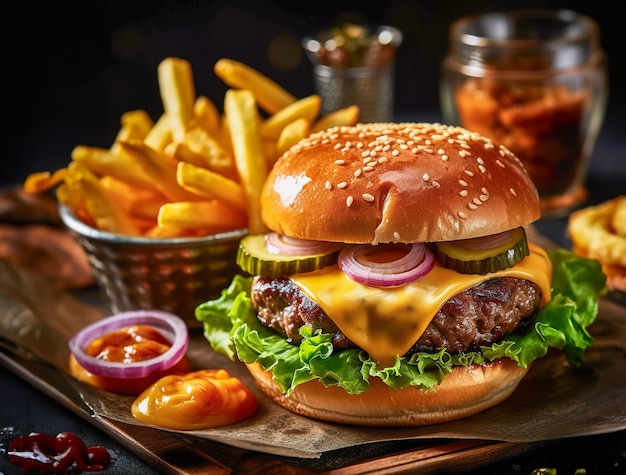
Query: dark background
x=71, y=68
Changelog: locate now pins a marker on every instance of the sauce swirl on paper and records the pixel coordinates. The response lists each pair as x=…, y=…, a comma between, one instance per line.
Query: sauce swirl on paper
x=199, y=400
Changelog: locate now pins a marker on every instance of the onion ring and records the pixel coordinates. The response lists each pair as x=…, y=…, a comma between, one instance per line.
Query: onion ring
x=485, y=242
x=276, y=243
x=171, y=326
x=417, y=262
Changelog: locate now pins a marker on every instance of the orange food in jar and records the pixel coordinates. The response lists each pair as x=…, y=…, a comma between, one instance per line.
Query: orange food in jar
x=540, y=123
x=127, y=345
x=198, y=400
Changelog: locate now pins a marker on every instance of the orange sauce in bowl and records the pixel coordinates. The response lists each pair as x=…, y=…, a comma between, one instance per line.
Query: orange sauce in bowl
x=127, y=345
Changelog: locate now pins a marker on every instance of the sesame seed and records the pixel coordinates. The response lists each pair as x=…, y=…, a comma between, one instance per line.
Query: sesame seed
x=425, y=177
x=368, y=168
x=328, y=185
x=484, y=198
x=484, y=190
x=482, y=168
x=349, y=201
x=477, y=201
x=340, y=162
x=357, y=172
x=462, y=183
x=368, y=197
x=337, y=145
x=428, y=150
x=462, y=215
x=500, y=164
x=444, y=158
x=471, y=205
x=469, y=173
x=464, y=153
x=382, y=160
x=395, y=153
x=343, y=184
x=512, y=191
x=463, y=193
x=435, y=184
x=441, y=151
x=480, y=160
x=396, y=235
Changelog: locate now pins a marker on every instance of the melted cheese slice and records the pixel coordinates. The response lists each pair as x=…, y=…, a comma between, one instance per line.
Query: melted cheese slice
x=386, y=322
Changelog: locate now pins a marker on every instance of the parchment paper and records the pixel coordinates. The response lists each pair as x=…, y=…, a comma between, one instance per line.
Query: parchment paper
x=554, y=400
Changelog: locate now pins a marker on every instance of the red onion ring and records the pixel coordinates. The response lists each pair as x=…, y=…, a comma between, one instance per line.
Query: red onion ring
x=289, y=246
x=485, y=242
x=172, y=327
x=411, y=266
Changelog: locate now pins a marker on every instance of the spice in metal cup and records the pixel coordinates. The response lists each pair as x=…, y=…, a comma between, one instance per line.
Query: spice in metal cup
x=534, y=81
x=354, y=65
x=173, y=275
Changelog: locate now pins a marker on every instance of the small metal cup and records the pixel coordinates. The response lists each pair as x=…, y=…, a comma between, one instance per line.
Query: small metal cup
x=173, y=275
x=371, y=88
x=368, y=84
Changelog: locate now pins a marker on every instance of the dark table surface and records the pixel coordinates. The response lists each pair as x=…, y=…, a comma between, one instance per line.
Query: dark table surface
x=24, y=409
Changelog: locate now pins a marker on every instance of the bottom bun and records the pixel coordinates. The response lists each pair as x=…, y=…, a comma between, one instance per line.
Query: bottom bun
x=464, y=392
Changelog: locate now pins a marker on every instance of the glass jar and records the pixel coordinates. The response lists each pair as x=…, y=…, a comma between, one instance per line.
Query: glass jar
x=534, y=81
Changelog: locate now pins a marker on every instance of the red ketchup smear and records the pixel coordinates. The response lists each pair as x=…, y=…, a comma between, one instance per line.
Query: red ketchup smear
x=37, y=452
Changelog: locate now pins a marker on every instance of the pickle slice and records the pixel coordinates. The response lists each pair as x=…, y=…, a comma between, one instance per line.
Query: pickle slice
x=484, y=255
x=254, y=258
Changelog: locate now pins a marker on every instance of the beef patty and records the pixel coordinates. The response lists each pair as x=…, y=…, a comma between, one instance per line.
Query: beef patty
x=481, y=315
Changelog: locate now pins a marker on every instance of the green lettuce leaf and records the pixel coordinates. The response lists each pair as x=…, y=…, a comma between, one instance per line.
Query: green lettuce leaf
x=231, y=327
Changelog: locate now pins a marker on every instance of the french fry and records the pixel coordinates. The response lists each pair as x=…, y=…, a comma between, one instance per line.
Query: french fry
x=346, y=116
x=211, y=215
x=135, y=126
x=242, y=117
x=269, y=95
x=160, y=135
x=39, y=182
x=136, y=202
x=270, y=150
x=121, y=166
x=202, y=149
x=308, y=107
x=209, y=184
x=160, y=232
x=104, y=211
x=178, y=93
x=160, y=168
x=292, y=134
x=205, y=115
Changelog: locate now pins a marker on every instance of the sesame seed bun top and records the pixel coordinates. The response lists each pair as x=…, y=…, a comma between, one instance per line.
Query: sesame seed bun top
x=397, y=182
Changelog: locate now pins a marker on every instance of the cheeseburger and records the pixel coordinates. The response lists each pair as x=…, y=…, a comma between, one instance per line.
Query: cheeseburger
x=396, y=285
